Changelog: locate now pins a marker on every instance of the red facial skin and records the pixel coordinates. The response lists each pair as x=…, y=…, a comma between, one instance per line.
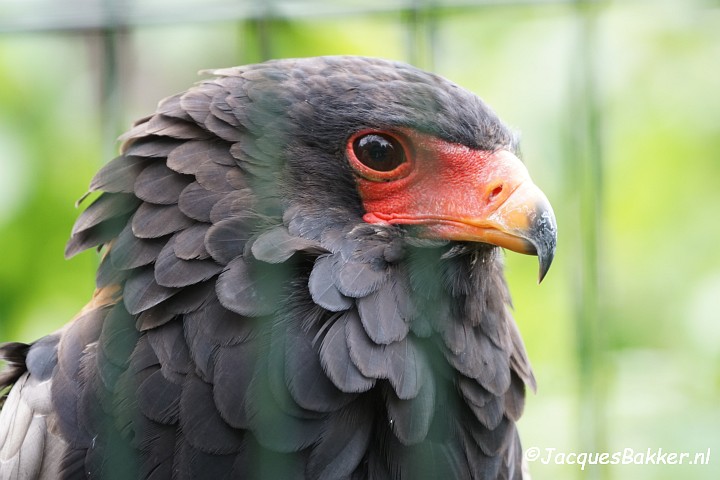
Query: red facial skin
x=454, y=192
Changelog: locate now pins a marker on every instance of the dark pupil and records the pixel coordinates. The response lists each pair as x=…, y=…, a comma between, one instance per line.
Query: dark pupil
x=379, y=152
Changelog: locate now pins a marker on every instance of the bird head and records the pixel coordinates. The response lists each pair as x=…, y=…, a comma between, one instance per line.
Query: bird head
x=407, y=148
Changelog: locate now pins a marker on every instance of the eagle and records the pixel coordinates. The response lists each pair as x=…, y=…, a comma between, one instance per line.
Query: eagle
x=301, y=277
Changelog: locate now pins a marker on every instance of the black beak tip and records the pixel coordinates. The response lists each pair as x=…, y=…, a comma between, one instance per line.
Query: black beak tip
x=544, y=238
x=545, y=260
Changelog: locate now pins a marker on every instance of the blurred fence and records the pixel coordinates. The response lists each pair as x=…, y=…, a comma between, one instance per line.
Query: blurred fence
x=108, y=24
x=618, y=102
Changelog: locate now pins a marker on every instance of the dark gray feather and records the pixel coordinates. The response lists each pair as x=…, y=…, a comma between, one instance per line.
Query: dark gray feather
x=385, y=312
x=14, y=354
x=158, y=447
x=154, y=221
x=323, y=290
x=494, y=441
x=514, y=398
x=222, y=129
x=192, y=463
x=243, y=289
x=410, y=419
x=221, y=326
x=484, y=361
x=107, y=206
x=142, y=291
x=118, y=337
x=335, y=359
x=171, y=271
x=95, y=236
x=196, y=102
x=233, y=204
x=487, y=407
x=400, y=362
x=220, y=106
x=234, y=370
x=41, y=358
x=168, y=344
x=159, y=398
x=150, y=147
x=276, y=245
x=274, y=428
x=129, y=251
x=189, y=156
x=342, y=446
x=201, y=422
x=356, y=279
x=197, y=202
x=225, y=241
x=203, y=350
x=118, y=175
x=107, y=275
x=170, y=107
x=192, y=298
x=306, y=381
x=190, y=243
x=518, y=359
x=159, y=185
x=153, y=317
x=166, y=126
x=213, y=177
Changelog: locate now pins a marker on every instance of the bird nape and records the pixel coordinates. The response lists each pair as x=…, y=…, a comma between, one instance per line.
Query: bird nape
x=300, y=278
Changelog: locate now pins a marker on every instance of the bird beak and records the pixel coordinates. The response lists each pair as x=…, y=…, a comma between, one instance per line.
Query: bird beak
x=475, y=196
x=525, y=223
x=508, y=210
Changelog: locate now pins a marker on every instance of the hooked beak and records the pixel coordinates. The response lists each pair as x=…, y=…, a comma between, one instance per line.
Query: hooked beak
x=472, y=195
x=524, y=223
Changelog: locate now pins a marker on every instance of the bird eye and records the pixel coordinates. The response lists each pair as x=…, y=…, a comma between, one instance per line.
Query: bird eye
x=379, y=152
x=380, y=156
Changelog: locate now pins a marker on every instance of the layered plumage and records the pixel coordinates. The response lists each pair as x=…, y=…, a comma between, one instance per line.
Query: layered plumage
x=250, y=323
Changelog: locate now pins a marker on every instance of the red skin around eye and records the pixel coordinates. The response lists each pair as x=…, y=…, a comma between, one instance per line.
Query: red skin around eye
x=440, y=179
x=452, y=191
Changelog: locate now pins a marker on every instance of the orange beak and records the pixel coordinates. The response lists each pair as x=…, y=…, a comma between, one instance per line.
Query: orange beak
x=456, y=193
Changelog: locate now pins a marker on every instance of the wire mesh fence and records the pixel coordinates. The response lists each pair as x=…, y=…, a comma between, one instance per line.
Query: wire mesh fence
x=542, y=62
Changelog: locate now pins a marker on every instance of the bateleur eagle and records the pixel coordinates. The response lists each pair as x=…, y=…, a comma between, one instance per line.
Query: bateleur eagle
x=300, y=278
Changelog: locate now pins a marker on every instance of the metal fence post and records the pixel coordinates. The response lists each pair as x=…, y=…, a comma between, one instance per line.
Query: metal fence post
x=585, y=170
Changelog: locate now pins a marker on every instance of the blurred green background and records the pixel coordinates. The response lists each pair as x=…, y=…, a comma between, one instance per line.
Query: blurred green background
x=618, y=104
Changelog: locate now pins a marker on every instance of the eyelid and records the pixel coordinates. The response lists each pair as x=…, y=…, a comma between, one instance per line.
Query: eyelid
x=368, y=173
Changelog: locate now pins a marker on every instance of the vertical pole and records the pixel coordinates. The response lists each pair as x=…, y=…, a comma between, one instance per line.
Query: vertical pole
x=256, y=33
x=111, y=111
x=421, y=34
x=110, y=96
x=586, y=175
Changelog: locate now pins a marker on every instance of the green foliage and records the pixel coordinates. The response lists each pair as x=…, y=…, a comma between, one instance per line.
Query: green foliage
x=48, y=151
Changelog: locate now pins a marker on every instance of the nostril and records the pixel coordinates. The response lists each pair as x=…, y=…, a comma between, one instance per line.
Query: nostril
x=495, y=192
